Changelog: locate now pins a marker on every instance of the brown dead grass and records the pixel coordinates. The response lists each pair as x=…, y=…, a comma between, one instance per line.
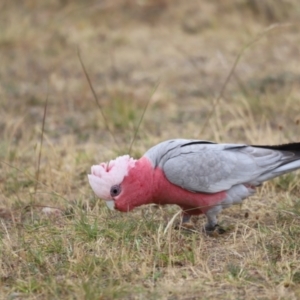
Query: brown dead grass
x=59, y=241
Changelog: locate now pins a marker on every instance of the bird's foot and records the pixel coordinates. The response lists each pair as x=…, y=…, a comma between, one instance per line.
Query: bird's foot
x=189, y=226
x=186, y=223
x=214, y=230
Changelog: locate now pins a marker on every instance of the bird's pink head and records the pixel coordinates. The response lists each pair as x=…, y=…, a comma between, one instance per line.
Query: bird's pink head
x=122, y=182
x=108, y=175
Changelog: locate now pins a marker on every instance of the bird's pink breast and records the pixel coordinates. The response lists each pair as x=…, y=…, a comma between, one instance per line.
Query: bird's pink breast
x=145, y=185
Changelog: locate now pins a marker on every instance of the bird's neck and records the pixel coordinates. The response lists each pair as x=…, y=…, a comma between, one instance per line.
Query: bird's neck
x=137, y=186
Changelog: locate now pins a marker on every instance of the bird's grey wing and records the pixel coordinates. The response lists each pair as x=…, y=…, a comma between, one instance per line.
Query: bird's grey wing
x=211, y=168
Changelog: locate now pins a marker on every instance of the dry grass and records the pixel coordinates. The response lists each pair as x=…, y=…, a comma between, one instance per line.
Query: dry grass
x=80, y=250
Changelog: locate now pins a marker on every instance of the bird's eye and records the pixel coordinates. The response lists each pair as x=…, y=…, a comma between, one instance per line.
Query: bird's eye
x=115, y=190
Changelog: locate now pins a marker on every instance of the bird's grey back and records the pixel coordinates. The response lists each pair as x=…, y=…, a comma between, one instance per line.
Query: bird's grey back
x=203, y=166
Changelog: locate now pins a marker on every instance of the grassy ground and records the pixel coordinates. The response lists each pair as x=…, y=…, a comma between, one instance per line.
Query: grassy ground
x=57, y=240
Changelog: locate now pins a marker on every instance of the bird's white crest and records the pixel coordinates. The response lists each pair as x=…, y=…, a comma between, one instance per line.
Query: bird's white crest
x=106, y=175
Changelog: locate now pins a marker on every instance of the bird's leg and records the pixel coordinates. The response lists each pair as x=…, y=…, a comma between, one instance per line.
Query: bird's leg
x=185, y=218
x=212, y=221
x=186, y=222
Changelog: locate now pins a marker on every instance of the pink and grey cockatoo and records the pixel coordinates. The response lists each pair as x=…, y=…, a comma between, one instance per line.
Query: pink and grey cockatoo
x=199, y=176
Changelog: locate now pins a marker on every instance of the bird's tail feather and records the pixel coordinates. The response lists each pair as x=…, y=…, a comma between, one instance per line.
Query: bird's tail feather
x=291, y=164
x=292, y=147
x=287, y=167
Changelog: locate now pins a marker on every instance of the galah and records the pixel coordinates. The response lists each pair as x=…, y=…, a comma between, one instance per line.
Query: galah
x=199, y=176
